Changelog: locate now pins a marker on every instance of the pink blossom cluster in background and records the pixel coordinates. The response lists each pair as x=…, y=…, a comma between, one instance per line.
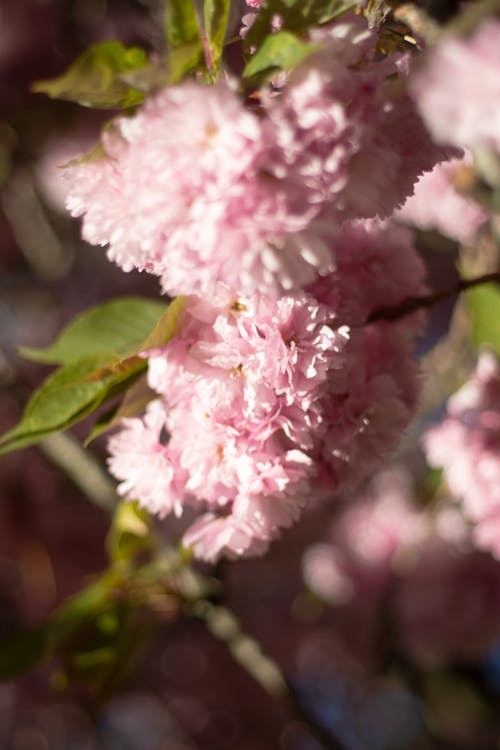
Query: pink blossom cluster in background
x=387, y=558
x=269, y=214
x=457, y=88
x=467, y=446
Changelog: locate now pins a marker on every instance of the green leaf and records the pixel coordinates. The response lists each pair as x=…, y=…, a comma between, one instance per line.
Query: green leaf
x=116, y=327
x=66, y=397
x=279, y=51
x=79, y=387
x=21, y=652
x=166, y=326
x=484, y=310
x=98, y=78
x=182, y=31
x=216, y=16
x=130, y=532
x=297, y=16
x=84, y=606
x=161, y=334
x=133, y=403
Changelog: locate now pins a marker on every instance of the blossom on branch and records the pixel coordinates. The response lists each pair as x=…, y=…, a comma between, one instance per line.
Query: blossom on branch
x=457, y=88
x=467, y=445
x=269, y=403
x=199, y=188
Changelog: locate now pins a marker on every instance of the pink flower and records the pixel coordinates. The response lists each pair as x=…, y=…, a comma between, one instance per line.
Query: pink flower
x=269, y=402
x=183, y=191
x=240, y=386
x=467, y=445
x=364, y=421
x=376, y=267
x=457, y=89
x=347, y=133
x=143, y=464
x=199, y=190
x=436, y=204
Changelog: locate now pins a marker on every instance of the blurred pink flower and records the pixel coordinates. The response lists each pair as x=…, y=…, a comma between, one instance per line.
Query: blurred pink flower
x=467, y=445
x=457, y=88
x=436, y=204
x=365, y=541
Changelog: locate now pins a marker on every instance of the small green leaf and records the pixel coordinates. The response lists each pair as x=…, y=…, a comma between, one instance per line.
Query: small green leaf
x=161, y=334
x=84, y=606
x=133, y=403
x=279, y=51
x=166, y=326
x=118, y=326
x=66, y=397
x=297, y=16
x=484, y=310
x=98, y=78
x=216, y=16
x=182, y=31
x=130, y=532
x=79, y=387
x=21, y=652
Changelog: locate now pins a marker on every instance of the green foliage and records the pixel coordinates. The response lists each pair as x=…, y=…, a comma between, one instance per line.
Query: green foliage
x=182, y=32
x=98, y=78
x=297, y=17
x=118, y=327
x=109, y=365
x=66, y=397
x=484, y=310
x=95, y=636
x=279, y=51
x=216, y=16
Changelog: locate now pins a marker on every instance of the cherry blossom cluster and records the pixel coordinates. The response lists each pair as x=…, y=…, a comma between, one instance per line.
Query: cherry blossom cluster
x=271, y=215
x=265, y=403
x=198, y=188
x=457, y=89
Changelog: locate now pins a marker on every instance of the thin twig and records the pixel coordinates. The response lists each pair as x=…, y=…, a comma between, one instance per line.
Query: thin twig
x=412, y=304
x=65, y=452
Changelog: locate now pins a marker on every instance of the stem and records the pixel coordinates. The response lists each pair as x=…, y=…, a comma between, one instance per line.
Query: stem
x=412, y=304
x=65, y=452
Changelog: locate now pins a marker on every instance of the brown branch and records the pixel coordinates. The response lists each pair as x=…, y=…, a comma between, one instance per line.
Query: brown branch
x=412, y=304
